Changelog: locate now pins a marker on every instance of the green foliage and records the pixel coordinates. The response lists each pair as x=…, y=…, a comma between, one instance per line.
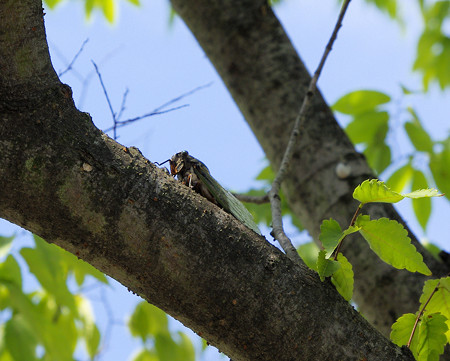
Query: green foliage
x=432, y=332
x=400, y=178
x=440, y=169
x=52, y=318
x=342, y=278
x=374, y=190
x=325, y=266
x=433, y=49
x=331, y=234
x=390, y=241
x=369, y=124
x=150, y=324
x=308, y=252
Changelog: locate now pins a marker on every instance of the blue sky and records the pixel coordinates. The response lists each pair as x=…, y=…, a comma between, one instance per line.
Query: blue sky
x=158, y=62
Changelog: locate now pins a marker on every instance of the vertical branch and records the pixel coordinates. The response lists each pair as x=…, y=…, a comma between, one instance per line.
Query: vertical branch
x=278, y=231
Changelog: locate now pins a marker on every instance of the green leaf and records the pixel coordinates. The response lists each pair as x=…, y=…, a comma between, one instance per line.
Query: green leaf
x=375, y=191
x=308, y=252
x=439, y=168
x=51, y=3
x=80, y=268
x=402, y=328
x=440, y=302
x=366, y=127
x=433, y=249
x=10, y=272
x=20, y=340
x=400, y=178
x=423, y=193
x=343, y=278
x=5, y=245
x=135, y=2
x=147, y=321
x=44, y=262
x=169, y=350
x=330, y=234
x=421, y=207
x=378, y=156
x=432, y=339
x=145, y=355
x=390, y=241
x=108, y=9
x=88, y=330
x=360, y=101
x=326, y=267
x=419, y=137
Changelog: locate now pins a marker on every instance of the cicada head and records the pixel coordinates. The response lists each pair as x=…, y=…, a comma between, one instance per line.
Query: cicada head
x=179, y=164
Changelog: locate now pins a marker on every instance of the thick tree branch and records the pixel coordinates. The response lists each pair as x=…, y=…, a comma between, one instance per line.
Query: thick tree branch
x=65, y=180
x=263, y=72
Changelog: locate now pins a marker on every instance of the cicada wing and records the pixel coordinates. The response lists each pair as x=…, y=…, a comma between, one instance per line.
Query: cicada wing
x=225, y=199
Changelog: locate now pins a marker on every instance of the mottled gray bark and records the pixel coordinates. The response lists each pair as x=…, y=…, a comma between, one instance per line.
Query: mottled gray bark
x=264, y=74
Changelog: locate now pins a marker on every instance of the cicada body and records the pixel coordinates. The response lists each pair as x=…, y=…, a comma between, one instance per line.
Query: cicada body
x=194, y=174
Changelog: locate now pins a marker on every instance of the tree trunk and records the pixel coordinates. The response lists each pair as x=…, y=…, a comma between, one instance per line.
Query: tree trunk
x=267, y=79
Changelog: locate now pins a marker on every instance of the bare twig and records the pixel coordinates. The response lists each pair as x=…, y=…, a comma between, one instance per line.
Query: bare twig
x=252, y=199
x=122, y=106
x=69, y=67
x=278, y=231
x=107, y=98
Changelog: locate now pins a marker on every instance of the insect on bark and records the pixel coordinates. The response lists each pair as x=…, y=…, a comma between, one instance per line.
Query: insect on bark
x=194, y=174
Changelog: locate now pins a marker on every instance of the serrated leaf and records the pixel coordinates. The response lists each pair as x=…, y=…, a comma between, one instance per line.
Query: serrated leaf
x=308, y=252
x=374, y=190
x=390, y=241
x=326, y=267
x=440, y=302
x=360, y=101
x=421, y=207
x=400, y=178
x=401, y=329
x=423, y=193
x=432, y=339
x=343, y=278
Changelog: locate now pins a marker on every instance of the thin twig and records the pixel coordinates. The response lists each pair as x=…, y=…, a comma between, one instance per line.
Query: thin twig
x=69, y=67
x=352, y=222
x=252, y=199
x=421, y=313
x=104, y=90
x=278, y=231
x=128, y=121
x=122, y=106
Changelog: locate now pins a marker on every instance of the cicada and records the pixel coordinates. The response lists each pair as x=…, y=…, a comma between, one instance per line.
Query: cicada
x=194, y=174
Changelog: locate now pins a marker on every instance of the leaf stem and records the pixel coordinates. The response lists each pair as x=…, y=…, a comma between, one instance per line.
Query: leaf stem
x=351, y=224
x=420, y=314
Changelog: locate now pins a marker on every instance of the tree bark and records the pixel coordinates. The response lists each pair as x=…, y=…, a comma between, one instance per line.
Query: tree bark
x=267, y=79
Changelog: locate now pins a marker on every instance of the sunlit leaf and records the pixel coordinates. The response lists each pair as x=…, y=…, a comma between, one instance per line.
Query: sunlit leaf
x=108, y=9
x=439, y=166
x=308, y=252
x=10, y=271
x=360, y=101
x=330, y=234
x=440, y=302
x=375, y=191
x=343, y=278
x=432, y=339
x=402, y=328
x=145, y=355
x=20, y=340
x=390, y=241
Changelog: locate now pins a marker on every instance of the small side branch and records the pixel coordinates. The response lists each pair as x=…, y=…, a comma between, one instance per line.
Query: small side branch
x=278, y=230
